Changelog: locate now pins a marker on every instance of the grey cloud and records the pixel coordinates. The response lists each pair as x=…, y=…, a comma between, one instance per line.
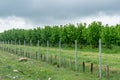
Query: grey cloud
x=47, y=11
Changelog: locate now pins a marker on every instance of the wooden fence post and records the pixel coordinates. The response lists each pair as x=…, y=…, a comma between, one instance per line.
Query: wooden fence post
x=83, y=66
x=55, y=57
x=26, y=55
x=3, y=45
x=91, y=68
x=107, y=72
x=8, y=45
x=41, y=57
x=44, y=57
x=51, y=59
x=64, y=63
x=10, y=42
x=70, y=64
x=36, y=56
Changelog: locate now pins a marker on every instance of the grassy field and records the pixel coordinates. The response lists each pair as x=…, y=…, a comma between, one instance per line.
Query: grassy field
x=87, y=55
x=36, y=70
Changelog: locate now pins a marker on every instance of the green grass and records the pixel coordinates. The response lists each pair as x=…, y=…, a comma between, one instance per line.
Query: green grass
x=88, y=55
x=36, y=70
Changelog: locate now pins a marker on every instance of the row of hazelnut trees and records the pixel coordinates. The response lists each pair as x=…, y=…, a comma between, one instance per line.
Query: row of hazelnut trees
x=84, y=34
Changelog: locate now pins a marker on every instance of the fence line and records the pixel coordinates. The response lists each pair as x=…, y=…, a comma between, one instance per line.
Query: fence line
x=53, y=59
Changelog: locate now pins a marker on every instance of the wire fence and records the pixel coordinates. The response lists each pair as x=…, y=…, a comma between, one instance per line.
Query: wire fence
x=80, y=60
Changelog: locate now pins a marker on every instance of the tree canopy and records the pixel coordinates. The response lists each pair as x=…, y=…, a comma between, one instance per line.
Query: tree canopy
x=86, y=35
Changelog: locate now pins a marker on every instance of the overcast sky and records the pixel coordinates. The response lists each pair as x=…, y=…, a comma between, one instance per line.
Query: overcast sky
x=32, y=13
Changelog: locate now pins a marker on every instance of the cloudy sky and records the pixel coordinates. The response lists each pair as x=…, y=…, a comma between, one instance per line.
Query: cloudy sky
x=32, y=13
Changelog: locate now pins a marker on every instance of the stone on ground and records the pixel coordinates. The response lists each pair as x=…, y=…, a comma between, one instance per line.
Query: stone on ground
x=22, y=59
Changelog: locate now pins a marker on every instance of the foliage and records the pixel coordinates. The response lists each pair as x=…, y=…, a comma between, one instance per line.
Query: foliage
x=86, y=35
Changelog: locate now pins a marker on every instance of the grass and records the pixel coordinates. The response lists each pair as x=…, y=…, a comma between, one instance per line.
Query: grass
x=88, y=55
x=36, y=70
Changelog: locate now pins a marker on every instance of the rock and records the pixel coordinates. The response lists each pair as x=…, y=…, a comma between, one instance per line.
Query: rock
x=49, y=78
x=22, y=59
x=0, y=78
x=15, y=70
x=15, y=77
